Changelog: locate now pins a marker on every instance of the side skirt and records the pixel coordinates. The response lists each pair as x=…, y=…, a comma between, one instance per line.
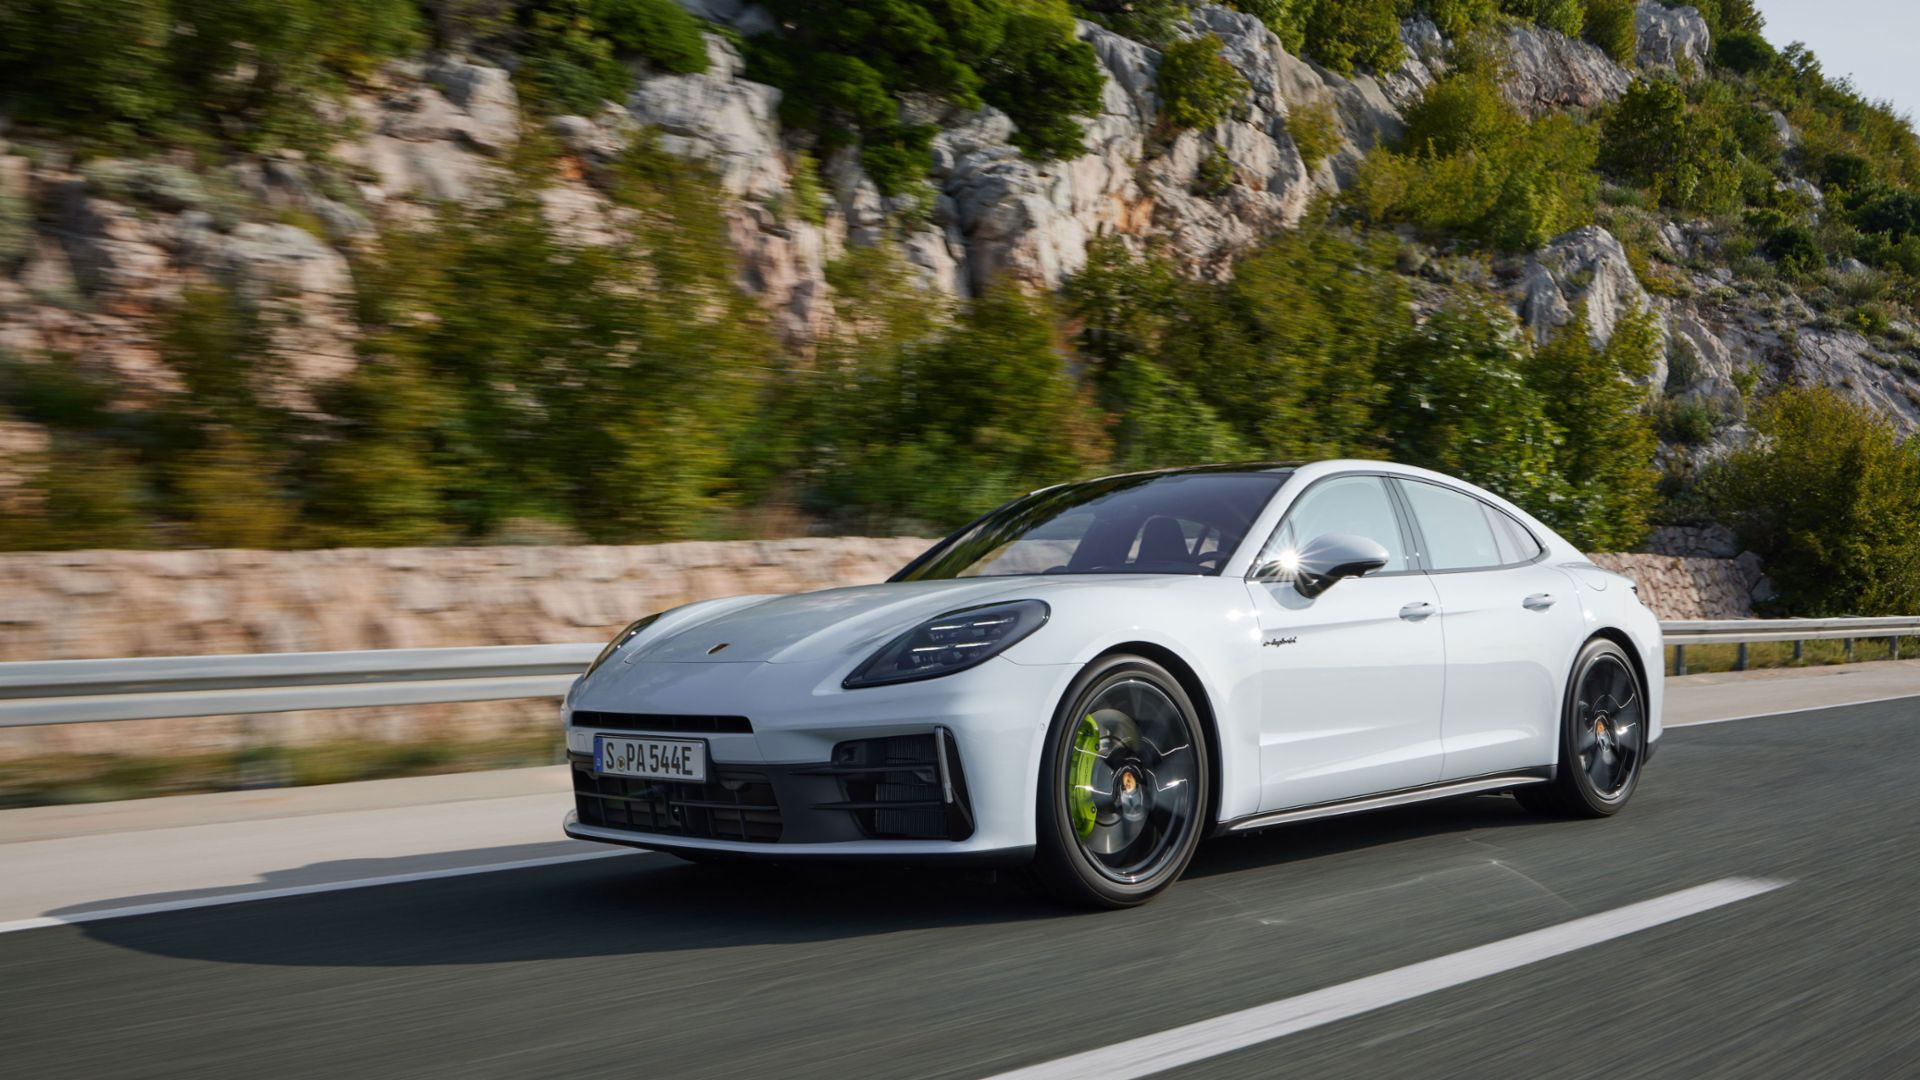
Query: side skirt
x=1445, y=789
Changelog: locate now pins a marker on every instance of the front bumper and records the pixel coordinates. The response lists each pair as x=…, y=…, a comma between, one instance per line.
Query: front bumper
x=801, y=768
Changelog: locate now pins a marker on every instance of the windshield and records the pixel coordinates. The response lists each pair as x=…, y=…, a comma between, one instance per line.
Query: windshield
x=1163, y=523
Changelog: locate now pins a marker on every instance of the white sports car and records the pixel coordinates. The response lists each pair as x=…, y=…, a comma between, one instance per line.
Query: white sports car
x=1094, y=677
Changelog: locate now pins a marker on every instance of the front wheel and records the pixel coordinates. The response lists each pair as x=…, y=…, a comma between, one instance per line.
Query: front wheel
x=1123, y=786
x=1603, y=738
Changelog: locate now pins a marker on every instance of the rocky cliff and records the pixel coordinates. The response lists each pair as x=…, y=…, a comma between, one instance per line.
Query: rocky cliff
x=113, y=241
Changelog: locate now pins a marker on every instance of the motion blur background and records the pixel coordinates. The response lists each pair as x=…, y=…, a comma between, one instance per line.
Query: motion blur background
x=384, y=323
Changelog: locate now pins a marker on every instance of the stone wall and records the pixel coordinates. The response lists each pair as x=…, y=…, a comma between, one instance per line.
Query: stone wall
x=87, y=604
x=77, y=605
x=1678, y=587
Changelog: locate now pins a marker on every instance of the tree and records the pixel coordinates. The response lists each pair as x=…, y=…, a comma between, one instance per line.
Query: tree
x=1610, y=26
x=1829, y=496
x=1687, y=159
x=1343, y=34
x=1196, y=85
x=1596, y=398
x=1458, y=401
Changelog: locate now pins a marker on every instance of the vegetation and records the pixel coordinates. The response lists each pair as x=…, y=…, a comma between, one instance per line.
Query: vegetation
x=846, y=66
x=246, y=70
x=1473, y=165
x=1197, y=86
x=1829, y=497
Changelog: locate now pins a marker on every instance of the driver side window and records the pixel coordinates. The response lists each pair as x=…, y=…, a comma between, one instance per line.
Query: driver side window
x=1345, y=504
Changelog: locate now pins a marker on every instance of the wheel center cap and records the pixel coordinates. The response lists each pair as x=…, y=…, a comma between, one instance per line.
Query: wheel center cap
x=1130, y=794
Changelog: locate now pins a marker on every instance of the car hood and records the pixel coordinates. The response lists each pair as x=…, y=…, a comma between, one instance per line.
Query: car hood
x=813, y=626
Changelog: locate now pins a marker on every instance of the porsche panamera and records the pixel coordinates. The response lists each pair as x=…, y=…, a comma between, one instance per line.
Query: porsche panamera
x=1093, y=678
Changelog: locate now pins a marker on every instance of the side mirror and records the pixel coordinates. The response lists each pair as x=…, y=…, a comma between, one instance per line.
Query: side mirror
x=1325, y=560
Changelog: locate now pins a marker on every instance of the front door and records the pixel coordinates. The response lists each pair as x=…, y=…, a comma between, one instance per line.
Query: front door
x=1352, y=679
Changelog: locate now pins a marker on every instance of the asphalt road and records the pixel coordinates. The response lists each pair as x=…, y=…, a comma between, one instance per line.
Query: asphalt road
x=641, y=967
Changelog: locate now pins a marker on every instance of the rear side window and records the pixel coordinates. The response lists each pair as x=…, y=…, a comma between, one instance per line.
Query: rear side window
x=1458, y=529
x=1517, y=545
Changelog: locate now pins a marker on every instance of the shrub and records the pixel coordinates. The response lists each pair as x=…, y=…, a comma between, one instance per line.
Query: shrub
x=1595, y=396
x=844, y=66
x=1688, y=159
x=660, y=30
x=1196, y=85
x=247, y=70
x=1829, y=497
x=1316, y=131
x=1286, y=18
x=1610, y=27
x=1149, y=21
x=1567, y=16
x=1456, y=18
x=1343, y=34
x=1474, y=166
x=1744, y=51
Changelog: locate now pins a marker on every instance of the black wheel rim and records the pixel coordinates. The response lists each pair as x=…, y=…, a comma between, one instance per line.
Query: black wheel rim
x=1609, y=726
x=1132, y=778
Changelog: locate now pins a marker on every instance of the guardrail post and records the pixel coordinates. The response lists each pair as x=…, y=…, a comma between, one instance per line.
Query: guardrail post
x=1849, y=650
x=1799, y=651
x=1679, y=659
x=1740, y=659
x=1893, y=643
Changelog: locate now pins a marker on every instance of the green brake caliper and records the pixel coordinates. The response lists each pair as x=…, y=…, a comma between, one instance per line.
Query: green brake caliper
x=1086, y=751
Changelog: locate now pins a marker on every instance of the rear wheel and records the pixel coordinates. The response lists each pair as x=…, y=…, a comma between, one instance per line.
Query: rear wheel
x=1123, y=786
x=1603, y=738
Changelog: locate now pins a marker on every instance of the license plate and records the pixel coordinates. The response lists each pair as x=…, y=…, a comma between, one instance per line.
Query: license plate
x=655, y=759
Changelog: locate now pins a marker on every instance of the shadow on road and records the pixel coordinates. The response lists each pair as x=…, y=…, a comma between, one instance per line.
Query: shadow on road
x=651, y=904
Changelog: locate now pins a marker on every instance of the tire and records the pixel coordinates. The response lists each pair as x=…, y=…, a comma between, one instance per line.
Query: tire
x=1123, y=786
x=1603, y=738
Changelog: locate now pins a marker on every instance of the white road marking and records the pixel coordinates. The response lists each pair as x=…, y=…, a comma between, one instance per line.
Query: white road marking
x=1179, y=1046
x=247, y=895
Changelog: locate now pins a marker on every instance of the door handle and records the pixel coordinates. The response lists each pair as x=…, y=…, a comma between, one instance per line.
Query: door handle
x=1538, y=602
x=1416, y=611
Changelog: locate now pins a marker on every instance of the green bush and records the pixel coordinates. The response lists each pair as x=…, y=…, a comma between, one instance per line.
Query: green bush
x=1687, y=158
x=1149, y=21
x=1610, y=26
x=660, y=30
x=247, y=70
x=1457, y=18
x=1474, y=166
x=918, y=425
x=1567, y=16
x=1315, y=129
x=1725, y=17
x=1458, y=401
x=1745, y=52
x=843, y=67
x=1286, y=18
x=1596, y=397
x=16, y=232
x=1343, y=34
x=1196, y=85
x=1829, y=496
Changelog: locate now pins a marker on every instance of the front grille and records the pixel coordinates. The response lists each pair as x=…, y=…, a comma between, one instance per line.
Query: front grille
x=689, y=725
x=896, y=790
x=732, y=806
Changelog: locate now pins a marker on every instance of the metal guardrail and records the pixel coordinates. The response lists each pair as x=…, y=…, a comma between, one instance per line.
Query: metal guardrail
x=79, y=691
x=1745, y=632
x=82, y=691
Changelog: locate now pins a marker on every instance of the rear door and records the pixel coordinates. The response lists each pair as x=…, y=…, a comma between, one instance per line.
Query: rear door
x=1510, y=623
x=1350, y=681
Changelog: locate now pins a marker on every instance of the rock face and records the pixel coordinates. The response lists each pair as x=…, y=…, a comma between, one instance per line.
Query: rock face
x=1586, y=266
x=1546, y=70
x=1693, y=588
x=1671, y=39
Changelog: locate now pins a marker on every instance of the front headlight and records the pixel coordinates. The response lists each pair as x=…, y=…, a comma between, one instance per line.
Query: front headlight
x=952, y=642
x=620, y=639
